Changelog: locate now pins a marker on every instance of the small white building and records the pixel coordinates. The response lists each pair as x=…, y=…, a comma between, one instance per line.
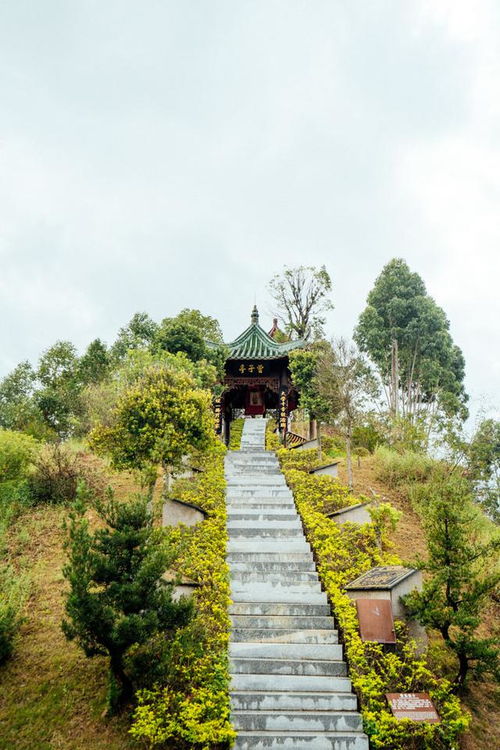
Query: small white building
x=176, y=512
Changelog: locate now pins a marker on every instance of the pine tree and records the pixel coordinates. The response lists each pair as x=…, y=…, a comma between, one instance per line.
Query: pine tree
x=117, y=599
x=463, y=572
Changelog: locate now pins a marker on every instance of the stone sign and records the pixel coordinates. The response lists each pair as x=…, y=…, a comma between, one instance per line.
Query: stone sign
x=375, y=620
x=416, y=706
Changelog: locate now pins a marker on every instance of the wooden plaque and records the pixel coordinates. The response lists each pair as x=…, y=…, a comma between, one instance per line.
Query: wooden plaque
x=415, y=706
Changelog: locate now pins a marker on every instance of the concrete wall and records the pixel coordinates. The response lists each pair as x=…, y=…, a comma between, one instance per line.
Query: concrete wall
x=308, y=445
x=175, y=513
x=331, y=470
x=354, y=514
x=183, y=589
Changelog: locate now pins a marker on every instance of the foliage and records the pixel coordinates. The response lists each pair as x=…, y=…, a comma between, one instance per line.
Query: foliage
x=235, y=433
x=118, y=600
x=207, y=326
x=301, y=297
x=190, y=706
x=463, y=571
x=483, y=463
x=174, y=336
x=13, y=595
x=17, y=453
x=407, y=337
x=138, y=334
x=396, y=469
x=344, y=552
x=159, y=419
x=345, y=382
x=304, y=369
x=17, y=410
x=94, y=365
x=57, y=472
x=367, y=434
x=272, y=437
x=58, y=397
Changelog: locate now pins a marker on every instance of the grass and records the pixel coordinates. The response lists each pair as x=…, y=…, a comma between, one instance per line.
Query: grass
x=51, y=696
x=481, y=698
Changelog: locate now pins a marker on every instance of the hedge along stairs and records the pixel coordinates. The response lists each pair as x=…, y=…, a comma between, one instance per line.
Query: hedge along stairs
x=289, y=684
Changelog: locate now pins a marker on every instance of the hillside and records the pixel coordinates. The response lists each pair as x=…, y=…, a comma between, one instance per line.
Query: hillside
x=409, y=542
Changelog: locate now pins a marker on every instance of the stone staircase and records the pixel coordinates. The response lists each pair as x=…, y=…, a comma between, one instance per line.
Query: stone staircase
x=289, y=684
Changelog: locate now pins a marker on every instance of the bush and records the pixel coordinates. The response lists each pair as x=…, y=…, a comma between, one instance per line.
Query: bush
x=342, y=554
x=396, y=469
x=189, y=707
x=332, y=445
x=17, y=452
x=13, y=594
x=235, y=433
x=57, y=472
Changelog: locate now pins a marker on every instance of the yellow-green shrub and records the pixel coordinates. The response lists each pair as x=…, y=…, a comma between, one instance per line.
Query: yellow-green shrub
x=272, y=437
x=236, y=430
x=343, y=553
x=191, y=710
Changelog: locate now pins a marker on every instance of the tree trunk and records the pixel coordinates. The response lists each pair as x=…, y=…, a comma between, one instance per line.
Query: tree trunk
x=121, y=689
x=394, y=378
x=318, y=436
x=312, y=429
x=463, y=668
x=349, y=459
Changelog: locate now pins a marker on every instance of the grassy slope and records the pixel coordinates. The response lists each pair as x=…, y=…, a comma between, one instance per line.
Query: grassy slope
x=51, y=696
x=482, y=699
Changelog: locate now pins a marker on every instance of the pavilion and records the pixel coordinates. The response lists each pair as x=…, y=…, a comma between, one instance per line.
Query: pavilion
x=257, y=377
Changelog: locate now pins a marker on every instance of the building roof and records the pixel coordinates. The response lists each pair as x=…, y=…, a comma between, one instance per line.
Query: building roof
x=383, y=577
x=255, y=343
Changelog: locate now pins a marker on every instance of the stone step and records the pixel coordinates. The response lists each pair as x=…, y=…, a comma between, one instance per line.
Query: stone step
x=283, y=622
x=274, y=740
x=265, y=525
x=255, y=514
x=283, y=635
x=282, y=595
x=275, y=482
x=282, y=545
x=313, y=667
x=261, y=504
x=295, y=651
x=289, y=683
x=266, y=532
x=283, y=577
x=238, y=494
x=270, y=566
x=268, y=700
x=299, y=609
x=297, y=721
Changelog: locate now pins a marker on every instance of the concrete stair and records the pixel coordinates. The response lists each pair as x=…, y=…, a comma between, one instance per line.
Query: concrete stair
x=289, y=683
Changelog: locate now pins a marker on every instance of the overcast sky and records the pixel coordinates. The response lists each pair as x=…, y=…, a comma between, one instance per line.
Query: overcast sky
x=157, y=155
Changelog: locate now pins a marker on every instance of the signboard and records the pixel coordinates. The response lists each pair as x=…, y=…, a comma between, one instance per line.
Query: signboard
x=376, y=622
x=283, y=412
x=416, y=706
x=217, y=406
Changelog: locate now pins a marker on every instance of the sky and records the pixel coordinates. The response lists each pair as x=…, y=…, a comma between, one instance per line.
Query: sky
x=157, y=155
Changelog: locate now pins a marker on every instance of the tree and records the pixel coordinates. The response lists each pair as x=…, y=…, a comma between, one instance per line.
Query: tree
x=94, y=365
x=138, y=334
x=483, y=460
x=346, y=383
x=300, y=296
x=304, y=369
x=58, y=399
x=118, y=600
x=159, y=419
x=177, y=336
x=463, y=572
x=208, y=327
x=17, y=408
x=406, y=335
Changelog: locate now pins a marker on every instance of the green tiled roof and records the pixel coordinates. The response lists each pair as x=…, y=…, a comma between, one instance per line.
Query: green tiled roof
x=255, y=343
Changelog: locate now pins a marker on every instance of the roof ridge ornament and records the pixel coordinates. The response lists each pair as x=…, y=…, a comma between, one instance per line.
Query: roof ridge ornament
x=255, y=315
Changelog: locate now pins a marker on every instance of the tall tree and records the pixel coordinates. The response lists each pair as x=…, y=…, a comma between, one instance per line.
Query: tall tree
x=17, y=408
x=208, y=327
x=463, y=571
x=117, y=598
x=94, y=365
x=300, y=296
x=176, y=336
x=406, y=335
x=347, y=384
x=304, y=366
x=58, y=398
x=138, y=334
x=483, y=460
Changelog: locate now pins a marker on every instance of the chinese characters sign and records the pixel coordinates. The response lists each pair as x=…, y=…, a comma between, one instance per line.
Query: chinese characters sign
x=416, y=706
x=251, y=369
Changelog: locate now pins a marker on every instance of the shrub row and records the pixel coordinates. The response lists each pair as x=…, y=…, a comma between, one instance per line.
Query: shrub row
x=343, y=553
x=236, y=431
x=192, y=709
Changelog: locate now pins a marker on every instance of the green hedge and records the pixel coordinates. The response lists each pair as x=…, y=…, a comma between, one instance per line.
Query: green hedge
x=192, y=709
x=235, y=433
x=343, y=553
